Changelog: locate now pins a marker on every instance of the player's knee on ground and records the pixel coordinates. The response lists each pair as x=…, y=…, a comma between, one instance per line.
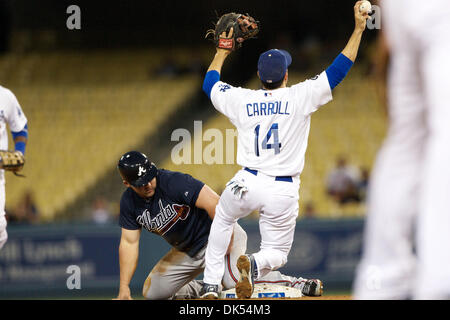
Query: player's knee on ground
x=270, y=259
x=189, y=291
x=149, y=290
x=156, y=288
x=278, y=260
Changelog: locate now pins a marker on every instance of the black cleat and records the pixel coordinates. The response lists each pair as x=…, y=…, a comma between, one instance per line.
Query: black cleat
x=312, y=288
x=210, y=291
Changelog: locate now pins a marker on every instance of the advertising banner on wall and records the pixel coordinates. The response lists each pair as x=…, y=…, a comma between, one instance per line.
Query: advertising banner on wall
x=79, y=260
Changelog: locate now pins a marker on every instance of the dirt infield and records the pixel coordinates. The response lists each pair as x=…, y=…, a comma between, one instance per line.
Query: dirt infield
x=304, y=298
x=334, y=297
x=339, y=297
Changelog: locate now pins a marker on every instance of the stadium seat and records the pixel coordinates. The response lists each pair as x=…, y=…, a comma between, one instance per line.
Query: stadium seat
x=84, y=110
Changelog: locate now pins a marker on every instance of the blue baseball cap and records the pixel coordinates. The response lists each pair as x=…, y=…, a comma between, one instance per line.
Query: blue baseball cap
x=272, y=65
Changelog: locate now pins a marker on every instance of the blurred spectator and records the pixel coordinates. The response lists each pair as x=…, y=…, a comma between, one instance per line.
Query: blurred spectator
x=363, y=183
x=26, y=211
x=100, y=211
x=10, y=216
x=283, y=41
x=168, y=68
x=196, y=65
x=342, y=182
x=310, y=211
x=310, y=50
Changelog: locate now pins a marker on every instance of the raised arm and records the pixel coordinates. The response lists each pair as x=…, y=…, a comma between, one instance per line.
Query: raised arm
x=128, y=259
x=219, y=59
x=213, y=73
x=221, y=54
x=351, y=49
x=337, y=71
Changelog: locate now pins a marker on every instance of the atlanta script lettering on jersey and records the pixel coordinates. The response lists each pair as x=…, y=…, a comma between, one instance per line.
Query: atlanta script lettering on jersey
x=165, y=219
x=267, y=108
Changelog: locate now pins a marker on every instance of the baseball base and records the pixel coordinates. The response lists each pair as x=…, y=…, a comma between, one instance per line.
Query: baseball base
x=266, y=291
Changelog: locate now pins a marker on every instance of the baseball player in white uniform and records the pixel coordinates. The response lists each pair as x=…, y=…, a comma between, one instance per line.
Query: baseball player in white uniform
x=407, y=235
x=179, y=208
x=10, y=113
x=273, y=126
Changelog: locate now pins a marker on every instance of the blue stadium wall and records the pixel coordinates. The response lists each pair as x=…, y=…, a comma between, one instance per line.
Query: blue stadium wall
x=35, y=262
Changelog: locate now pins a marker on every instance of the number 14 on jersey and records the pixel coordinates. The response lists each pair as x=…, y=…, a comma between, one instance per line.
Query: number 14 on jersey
x=272, y=133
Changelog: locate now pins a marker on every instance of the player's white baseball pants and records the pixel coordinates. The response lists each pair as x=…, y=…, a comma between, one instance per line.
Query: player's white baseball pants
x=277, y=204
x=172, y=276
x=409, y=193
x=3, y=223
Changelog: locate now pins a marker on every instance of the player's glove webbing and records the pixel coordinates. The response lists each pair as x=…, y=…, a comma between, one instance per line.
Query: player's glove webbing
x=244, y=27
x=11, y=161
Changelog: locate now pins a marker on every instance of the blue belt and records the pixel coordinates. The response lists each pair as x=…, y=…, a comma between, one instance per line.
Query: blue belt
x=278, y=178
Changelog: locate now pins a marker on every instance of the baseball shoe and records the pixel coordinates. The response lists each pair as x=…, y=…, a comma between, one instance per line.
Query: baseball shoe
x=312, y=288
x=248, y=271
x=209, y=291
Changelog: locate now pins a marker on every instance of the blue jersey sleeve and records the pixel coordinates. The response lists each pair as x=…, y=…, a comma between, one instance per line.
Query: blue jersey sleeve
x=127, y=220
x=337, y=71
x=210, y=80
x=20, y=146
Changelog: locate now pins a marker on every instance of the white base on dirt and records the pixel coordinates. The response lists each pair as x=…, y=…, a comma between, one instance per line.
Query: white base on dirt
x=266, y=291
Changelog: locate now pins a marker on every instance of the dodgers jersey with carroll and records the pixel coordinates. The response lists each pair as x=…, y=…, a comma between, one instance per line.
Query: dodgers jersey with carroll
x=170, y=213
x=272, y=122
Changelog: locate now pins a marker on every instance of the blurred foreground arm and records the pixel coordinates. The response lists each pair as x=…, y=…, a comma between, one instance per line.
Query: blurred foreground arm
x=381, y=64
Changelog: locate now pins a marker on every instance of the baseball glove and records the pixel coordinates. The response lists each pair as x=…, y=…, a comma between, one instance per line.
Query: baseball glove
x=244, y=27
x=12, y=161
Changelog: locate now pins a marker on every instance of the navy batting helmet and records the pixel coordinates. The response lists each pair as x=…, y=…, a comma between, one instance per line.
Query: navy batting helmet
x=136, y=169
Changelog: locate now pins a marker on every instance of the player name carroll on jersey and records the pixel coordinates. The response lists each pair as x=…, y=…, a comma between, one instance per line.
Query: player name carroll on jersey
x=267, y=108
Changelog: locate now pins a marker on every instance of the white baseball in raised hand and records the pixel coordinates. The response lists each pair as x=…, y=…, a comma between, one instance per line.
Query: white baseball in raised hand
x=365, y=7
